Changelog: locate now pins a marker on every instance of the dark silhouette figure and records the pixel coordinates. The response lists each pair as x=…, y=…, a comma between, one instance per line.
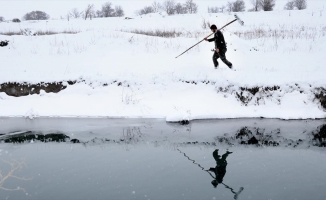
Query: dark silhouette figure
x=220, y=171
x=220, y=168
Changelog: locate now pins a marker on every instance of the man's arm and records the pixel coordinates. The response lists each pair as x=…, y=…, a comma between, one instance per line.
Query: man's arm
x=211, y=40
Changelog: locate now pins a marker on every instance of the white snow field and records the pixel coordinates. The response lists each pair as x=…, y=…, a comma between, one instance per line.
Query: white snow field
x=279, y=59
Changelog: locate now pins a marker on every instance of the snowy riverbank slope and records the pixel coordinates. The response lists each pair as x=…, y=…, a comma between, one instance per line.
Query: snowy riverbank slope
x=106, y=70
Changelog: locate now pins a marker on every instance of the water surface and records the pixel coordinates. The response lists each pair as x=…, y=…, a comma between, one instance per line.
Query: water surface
x=151, y=159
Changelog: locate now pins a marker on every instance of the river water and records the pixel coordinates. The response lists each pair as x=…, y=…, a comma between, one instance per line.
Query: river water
x=51, y=158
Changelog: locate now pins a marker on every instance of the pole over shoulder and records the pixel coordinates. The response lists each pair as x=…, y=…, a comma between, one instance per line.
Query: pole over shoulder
x=236, y=19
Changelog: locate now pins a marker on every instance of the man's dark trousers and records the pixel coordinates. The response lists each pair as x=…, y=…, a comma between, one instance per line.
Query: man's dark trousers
x=221, y=54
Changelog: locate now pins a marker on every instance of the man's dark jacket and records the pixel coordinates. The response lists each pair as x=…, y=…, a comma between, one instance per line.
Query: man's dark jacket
x=219, y=40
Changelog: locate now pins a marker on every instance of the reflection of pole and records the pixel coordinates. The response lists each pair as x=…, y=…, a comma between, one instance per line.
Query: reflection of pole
x=236, y=194
x=193, y=161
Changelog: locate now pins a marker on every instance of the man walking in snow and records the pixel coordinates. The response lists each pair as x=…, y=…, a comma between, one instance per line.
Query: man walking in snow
x=220, y=47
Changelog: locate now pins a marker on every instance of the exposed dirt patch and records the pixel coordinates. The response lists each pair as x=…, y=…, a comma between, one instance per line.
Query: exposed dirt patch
x=247, y=95
x=24, y=89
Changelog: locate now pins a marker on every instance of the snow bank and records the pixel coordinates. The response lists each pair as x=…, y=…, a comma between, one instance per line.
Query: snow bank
x=117, y=73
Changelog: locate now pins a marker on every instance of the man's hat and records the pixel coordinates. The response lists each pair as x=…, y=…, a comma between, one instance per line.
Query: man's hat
x=213, y=26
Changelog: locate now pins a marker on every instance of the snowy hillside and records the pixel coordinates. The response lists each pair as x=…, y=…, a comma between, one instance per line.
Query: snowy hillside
x=110, y=68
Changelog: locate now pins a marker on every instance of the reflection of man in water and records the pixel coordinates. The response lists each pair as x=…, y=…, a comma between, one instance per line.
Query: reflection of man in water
x=220, y=168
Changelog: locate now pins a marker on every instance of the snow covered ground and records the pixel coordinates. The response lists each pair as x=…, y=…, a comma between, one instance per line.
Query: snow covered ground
x=278, y=56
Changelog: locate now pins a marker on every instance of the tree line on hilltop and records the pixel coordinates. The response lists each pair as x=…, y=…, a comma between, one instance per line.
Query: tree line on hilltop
x=257, y=5
x=171, y=7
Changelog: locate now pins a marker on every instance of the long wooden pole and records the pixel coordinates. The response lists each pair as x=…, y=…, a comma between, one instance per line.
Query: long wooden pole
x=207, y=37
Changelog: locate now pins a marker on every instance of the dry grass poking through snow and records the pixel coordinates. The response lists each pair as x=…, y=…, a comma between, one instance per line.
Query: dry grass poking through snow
x=37, y=33
x=166, y=33
x=283, y=32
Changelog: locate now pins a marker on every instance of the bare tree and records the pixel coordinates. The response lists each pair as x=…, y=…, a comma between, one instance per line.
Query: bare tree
x=2, y=19
x=36, y=15
x=290, y=5
x=118, y=11
x=238, y=6
x=68, y=16
x=107, y=10
x=222, y=8
x=191, y=7
x=74, y=13
x=179, y=9
x=256, y=5
x=98, y=14
x=229, y=6
x=168, y=6
x=300, y=4
x=89, y=11
x=213, y=10
x=156, y=6
x=146, y=10
x=267, y=5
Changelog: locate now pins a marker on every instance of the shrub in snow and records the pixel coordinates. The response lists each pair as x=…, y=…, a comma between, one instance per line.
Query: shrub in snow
x=2, y=19
x=267, y=5
x=145, y=10
x=36, y=15
x=238, y=6
x=16, y=20
x=290, y=5
x=300, y=4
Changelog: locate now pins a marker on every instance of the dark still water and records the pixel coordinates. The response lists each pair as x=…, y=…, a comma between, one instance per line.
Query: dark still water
x=152, y=159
